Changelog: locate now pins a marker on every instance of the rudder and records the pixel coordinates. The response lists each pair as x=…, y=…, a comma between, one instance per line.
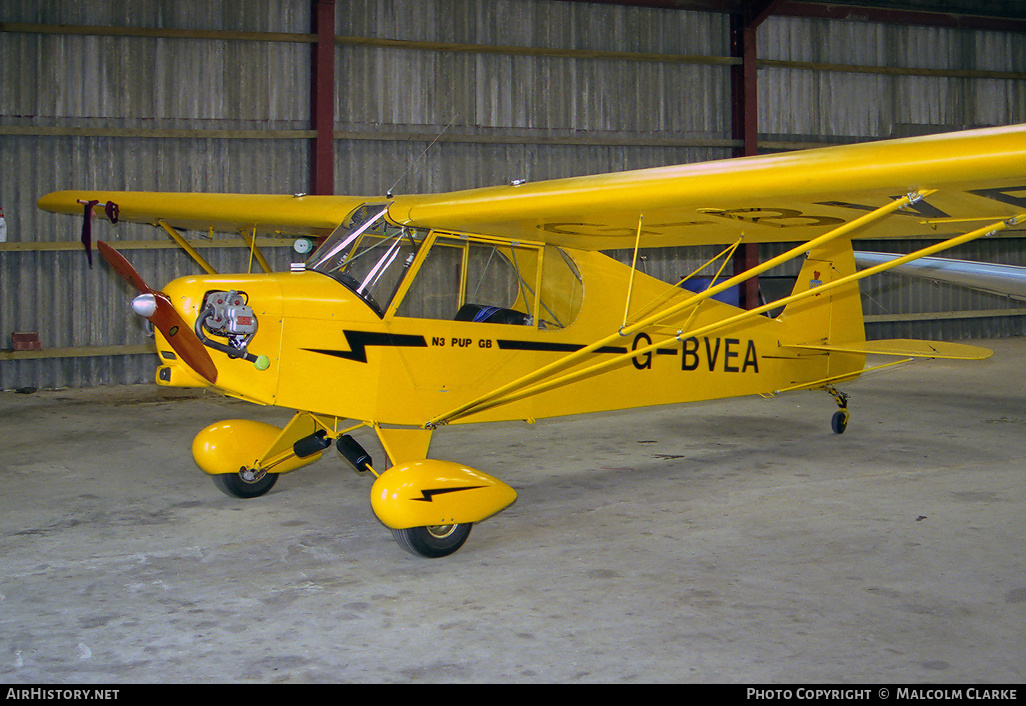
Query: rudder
x=833, y=318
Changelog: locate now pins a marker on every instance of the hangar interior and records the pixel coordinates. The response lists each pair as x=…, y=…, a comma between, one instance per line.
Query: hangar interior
x=428, y=96
x=730, y=544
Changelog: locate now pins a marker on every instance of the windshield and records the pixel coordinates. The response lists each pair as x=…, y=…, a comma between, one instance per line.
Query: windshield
x=368, y=255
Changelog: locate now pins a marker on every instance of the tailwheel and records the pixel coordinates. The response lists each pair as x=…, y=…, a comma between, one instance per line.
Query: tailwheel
x=247, y=483
x=839, y=422
x=433, y=542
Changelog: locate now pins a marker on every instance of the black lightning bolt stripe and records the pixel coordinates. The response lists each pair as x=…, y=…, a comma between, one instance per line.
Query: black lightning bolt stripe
x=359, y=341
x=429, y=495
x=508, y=345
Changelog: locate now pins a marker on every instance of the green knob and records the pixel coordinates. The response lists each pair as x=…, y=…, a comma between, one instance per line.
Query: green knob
x=262, y=362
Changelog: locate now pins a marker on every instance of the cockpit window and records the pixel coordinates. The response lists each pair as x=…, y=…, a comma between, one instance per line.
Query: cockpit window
x=368, y=255
x=464, y=278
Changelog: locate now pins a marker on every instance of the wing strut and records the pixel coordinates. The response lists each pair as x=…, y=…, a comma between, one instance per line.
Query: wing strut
x=254, y=251
x=524, y=387
x=184, y=245
x=725, y=255
x=546, y=370
x=540, y=387
x=634, y=266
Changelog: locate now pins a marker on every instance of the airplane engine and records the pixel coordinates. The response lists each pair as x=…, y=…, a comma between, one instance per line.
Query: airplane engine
x=228, y=315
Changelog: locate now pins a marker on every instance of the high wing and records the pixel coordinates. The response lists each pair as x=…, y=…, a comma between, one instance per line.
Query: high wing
x=971, y=177
x=267, y=214
x=1006, y=280
x=977, y=175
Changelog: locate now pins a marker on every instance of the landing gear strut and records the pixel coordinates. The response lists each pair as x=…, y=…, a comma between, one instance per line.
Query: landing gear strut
x=839, y=422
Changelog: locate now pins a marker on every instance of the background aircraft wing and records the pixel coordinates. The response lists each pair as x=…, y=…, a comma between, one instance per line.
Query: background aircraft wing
x=979, y=175
x=1007, y=280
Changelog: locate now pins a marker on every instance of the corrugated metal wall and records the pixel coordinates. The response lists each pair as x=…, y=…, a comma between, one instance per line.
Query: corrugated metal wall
x=503, y=115
x=87, y=112
x=857, y=81
x=871, y=81
x=510, y=88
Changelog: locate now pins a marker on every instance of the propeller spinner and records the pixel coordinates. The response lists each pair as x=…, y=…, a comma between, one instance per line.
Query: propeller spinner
x=158, y=309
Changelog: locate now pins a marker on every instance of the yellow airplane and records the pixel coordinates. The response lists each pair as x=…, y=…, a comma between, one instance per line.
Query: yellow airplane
x=418, y=311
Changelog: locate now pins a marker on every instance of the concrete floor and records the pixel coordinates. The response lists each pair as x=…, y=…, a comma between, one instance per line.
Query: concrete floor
x=738, y=541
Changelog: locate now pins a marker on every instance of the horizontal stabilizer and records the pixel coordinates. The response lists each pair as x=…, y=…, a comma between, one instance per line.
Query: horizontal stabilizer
x=905, y=347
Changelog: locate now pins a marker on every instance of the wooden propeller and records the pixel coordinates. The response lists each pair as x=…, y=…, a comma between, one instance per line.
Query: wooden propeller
x=163, y=315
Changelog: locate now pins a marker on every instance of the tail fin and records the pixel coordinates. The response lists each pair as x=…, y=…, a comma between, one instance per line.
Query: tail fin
x=831, y=324
x=835, y=317
x=832, y=320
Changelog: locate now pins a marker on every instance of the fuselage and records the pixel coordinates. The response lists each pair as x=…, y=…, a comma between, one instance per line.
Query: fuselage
x=332, y=353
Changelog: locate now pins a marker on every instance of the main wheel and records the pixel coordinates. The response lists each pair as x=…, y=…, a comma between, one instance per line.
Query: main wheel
x=433, y=542
x=237, y=486
x=839, y=422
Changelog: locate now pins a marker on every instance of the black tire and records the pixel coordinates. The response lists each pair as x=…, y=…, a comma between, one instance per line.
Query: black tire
x=234, y=485
x=839, y=422
x=432, y=542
